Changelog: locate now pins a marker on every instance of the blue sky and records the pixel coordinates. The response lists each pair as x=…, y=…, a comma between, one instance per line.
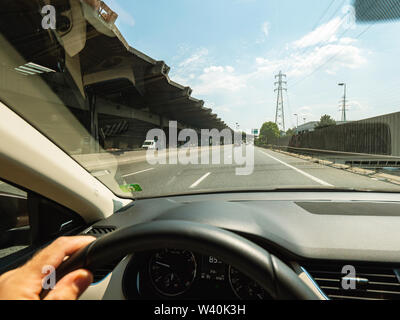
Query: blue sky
x=228, y=51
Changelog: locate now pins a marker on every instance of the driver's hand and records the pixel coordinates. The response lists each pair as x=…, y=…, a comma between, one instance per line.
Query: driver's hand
x=25, y=283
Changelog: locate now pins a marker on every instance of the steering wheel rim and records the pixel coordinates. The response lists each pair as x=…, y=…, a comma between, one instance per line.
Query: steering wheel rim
x=280, y=281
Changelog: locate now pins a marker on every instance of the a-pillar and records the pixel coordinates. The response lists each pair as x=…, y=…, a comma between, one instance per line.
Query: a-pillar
x=94, y=123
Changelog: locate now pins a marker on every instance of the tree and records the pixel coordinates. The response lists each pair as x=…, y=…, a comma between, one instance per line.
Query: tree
x=291, y=132
x=326, y=121
x=244, y=136
x=269, y=133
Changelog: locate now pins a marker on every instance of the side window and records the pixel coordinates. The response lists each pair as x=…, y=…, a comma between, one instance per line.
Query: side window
x=14, y=220
x=29, y=221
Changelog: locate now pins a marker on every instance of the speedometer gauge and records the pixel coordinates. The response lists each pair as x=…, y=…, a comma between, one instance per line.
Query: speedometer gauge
x=172, y=272
x=245, y=288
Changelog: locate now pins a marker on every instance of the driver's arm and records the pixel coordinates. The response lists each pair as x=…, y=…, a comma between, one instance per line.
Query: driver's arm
x=25, y=283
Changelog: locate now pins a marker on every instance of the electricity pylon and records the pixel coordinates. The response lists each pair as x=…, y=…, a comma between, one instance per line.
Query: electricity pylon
x=280, y=110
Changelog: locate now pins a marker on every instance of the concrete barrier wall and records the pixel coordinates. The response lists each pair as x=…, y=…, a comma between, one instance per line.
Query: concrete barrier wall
x=392, y=121
x=102, y=161
x=379, y=135
x=99, y=161
x=283, y=141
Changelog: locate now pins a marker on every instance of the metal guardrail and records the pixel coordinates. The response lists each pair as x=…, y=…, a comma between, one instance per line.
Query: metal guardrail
x=362, y=160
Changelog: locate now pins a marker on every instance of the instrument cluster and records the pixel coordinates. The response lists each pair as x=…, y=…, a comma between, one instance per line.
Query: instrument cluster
x=182, y=274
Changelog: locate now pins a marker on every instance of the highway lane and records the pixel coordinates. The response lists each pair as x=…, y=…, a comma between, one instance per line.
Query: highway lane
x=271, y=170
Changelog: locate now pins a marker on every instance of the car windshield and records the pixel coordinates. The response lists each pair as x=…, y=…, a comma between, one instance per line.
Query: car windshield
x=231, y=95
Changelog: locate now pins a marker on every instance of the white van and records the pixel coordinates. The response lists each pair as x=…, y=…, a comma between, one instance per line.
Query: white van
x=149, y=145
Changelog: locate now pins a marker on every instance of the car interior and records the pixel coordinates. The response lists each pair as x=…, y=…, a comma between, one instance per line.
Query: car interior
x=239, y=245
x=223, y=244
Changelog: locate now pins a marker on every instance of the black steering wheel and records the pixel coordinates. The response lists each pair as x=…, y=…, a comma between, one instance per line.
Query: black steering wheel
x=280, y=281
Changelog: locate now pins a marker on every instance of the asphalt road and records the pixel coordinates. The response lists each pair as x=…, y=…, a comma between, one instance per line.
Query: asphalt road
x=271, y=170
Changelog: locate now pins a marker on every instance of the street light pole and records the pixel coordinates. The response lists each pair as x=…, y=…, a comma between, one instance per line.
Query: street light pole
x=344, y=118
x=296, y=115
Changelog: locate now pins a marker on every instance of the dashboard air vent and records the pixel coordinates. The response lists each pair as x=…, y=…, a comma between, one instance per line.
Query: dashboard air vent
x=371, y=283
x=100, y=231
x=100, y=273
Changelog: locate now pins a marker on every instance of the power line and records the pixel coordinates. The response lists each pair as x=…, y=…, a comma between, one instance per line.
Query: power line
x=338, y=8
x=337, y=25
x=310, y=48
x=313, y=28
x=289, y=108
x=323, y=15
x=319, y=20
x=334, y=56
x=330, y=59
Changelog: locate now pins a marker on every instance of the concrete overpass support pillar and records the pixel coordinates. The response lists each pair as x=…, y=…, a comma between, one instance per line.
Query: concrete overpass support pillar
x=94, y=123
x=164, y=126
x=199, y=137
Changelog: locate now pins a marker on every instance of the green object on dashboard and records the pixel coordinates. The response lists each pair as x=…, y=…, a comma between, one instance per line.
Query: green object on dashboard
x=130, y=188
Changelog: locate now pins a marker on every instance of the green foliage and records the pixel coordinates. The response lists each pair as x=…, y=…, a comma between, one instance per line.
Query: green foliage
x=269, y=133
x=291, y=132
x=326, y=121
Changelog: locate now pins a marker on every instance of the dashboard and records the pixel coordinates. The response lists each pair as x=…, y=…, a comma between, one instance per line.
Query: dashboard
x=182, y=274
x=315, y=233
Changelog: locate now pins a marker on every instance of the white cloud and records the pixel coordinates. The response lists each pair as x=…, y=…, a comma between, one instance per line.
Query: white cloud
x=347, y=40
x=197, y=57
x=322, y=35
x=218, y=78
x=268, y=66
x=251, y=89
x=332, y=57
x=266, y=28
x=225, y=109
x=191, y=66
x=325, y=51
x=356, y=105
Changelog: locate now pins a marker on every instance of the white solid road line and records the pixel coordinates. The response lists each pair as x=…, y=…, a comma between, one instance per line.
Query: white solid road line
x=171, y=180
x=132, y=174
x=299, y=171
x=194, y=185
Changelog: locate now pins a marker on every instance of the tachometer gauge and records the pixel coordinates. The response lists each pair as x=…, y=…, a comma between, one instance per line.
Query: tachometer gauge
x=245, y=288
x=172, y=272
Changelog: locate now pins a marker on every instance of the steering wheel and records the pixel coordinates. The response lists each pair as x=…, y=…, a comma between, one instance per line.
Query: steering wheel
x=280, y=281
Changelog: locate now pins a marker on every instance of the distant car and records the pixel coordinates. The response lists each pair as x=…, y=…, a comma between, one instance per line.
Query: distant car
x=149, y=145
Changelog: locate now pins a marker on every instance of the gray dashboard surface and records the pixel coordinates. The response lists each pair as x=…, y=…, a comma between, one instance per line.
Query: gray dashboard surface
x=317, y=226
